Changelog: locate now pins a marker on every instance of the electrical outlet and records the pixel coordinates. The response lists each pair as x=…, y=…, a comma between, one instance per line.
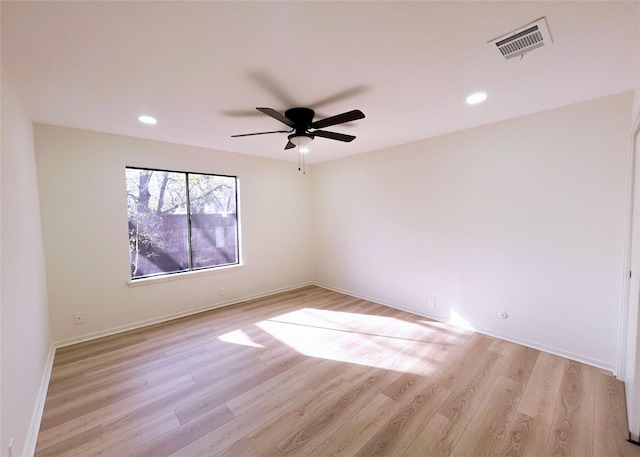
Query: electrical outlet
x=432, y=302
x=78, y=318
x=221, y=291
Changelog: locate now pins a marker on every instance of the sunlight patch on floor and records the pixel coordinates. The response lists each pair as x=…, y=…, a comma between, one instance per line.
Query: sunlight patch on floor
x=356, y=322
x=376, y=341
x=239, y=337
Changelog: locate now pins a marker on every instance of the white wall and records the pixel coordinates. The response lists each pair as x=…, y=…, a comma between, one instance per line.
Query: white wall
x=26, y=339
x=84, y=214
x=526, y=216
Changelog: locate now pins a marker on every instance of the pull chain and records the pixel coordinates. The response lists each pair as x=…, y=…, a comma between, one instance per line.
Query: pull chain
x=301, y=159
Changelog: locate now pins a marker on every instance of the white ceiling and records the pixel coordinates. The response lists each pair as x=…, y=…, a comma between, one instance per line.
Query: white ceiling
x=201, y=68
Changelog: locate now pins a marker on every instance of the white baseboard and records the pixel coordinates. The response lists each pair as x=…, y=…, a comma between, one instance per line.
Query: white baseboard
x=532, y=344
x=36, y=417
x=168, y=317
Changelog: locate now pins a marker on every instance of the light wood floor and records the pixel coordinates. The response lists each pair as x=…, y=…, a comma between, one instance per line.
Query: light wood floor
x=315, y=373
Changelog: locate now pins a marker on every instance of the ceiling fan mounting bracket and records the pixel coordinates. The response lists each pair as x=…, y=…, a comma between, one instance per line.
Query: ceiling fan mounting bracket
x=302, y=117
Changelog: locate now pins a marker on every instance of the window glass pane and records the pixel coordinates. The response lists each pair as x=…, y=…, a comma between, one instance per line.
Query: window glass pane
x=158, y=224
x=214, y=233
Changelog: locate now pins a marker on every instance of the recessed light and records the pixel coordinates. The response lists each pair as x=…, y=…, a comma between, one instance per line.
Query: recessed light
x=476, y=98
x=147, y=120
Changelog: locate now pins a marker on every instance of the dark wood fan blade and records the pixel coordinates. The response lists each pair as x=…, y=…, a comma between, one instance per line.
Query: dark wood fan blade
x=273, y=88
x=276, y=115
x=260, y=133
x=340, y=96
x=338, y=119
x=334, y=136
x=290, y=145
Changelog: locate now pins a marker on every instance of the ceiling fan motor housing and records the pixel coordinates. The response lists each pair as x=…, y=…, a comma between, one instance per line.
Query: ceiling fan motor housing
x=302, y=117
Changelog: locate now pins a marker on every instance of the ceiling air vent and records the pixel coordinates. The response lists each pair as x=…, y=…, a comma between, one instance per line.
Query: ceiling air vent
x=523, y=40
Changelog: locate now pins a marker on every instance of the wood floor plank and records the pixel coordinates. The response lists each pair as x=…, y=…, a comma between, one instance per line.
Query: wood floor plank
x=502, y=347
x=435, y=439
x=79, y=396
x=59, y=414
x=400, y=431
x=109, y=413
x=89, y=381
x=541, y=394
x=108, y=344
x=526, y=437
x=326, y=422
x=572, y=429
x=315, y=373
x=465, y=360
x=246, y=423
x=72, y=445
x=609, y=431
x=347, y=441
x=227, y=391
x=488, y=428
x=108, y=362
x=269, y=434
x=423, y=374
x=183, y=435
x=133, y=438
x=273, y=386
x=465, y=398
x=273, y=452
x=520, y=364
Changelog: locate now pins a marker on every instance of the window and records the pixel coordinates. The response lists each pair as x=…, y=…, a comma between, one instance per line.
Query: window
x=180, y=221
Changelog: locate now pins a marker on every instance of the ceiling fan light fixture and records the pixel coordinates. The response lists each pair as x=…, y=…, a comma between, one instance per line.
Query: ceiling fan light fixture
x=301, y=140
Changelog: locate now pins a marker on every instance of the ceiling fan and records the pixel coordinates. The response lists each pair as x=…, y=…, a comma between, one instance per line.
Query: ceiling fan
x=303, y=129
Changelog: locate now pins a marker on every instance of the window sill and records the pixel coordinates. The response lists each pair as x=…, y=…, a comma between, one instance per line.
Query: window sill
x=177, y=276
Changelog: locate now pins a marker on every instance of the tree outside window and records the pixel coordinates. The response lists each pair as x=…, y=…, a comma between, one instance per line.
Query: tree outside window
x=180, y=221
